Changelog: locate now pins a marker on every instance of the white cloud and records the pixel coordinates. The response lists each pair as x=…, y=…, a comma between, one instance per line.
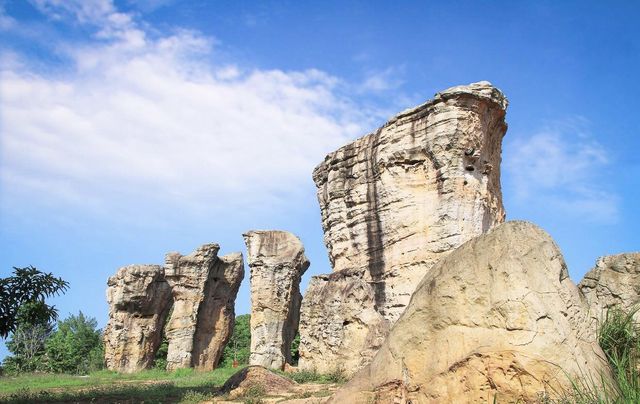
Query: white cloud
x=561, y=167
x=382, y=80
x=141, y=115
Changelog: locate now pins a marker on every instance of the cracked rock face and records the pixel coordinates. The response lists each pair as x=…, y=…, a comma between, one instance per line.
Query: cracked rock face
x=139, y=299
x=277, y=262
x=497, y=317
x=394, y=203
x=615, y=281
x=204, y=288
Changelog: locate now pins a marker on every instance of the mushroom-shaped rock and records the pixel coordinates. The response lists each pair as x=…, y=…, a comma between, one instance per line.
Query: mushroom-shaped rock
x=277, y=262
x=139, y=299
x=204, y=288
x=498, y=317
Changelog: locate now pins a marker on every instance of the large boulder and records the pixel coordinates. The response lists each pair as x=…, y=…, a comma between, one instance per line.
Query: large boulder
x=394, y=203
x=139, y=299
x=277, y=262
x=204, y=288
x=499, y=317
x=614, y=281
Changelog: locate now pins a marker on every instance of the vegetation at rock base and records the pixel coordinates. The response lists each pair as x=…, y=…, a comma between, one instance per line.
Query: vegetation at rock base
x=150, y=386
x=75, y=347
x=239, y=346
x=619, y=338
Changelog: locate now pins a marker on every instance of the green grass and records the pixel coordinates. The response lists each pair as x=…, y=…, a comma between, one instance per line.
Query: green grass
x=305, y=376
x=150, y=386
x=619, y=338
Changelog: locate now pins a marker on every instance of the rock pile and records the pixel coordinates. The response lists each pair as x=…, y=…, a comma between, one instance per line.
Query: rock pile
x=277, y=262
x=394, y=203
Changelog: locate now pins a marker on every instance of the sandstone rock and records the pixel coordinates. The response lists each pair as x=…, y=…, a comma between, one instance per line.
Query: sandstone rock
x=204, y=288
x=393, y=203
x=139, y=299
x=256, y=377
x=497, y=317
x=277, y=262
x=615, y=281
x=339, y=322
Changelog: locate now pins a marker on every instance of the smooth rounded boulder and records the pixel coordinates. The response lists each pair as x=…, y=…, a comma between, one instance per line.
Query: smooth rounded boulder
x=497, y=319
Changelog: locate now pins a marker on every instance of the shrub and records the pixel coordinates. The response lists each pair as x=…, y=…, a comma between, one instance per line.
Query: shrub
x=76, y=346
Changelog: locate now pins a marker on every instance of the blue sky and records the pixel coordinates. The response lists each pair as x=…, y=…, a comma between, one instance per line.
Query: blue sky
x=132, y=128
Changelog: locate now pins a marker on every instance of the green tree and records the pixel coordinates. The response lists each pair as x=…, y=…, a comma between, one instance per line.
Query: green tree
x=27, y=285
x=295, y=349
x=239, y=345
x=76, y=346
x=27, y=341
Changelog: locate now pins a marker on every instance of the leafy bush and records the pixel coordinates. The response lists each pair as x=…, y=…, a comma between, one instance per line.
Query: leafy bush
x=76, y=346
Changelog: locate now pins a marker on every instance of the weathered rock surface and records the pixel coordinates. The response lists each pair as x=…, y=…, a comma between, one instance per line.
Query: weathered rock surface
x=277, y=262
x=204, y=288
x=615, y=281
x=393, y=203
x=499, y=316
x=256, y=376
x=139, y=299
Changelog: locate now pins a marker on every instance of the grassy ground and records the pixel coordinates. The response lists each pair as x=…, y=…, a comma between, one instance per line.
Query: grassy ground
x=150, y=386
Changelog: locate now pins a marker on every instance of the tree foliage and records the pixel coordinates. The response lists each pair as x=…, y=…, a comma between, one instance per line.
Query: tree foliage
x=76, y=346
x=239, y=345
x=27, y=285
x=28, y=339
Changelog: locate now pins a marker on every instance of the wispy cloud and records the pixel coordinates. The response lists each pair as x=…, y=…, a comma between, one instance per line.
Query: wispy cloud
x=561, y=167
x=156, y=117
x=382, y=80
x=6, y=22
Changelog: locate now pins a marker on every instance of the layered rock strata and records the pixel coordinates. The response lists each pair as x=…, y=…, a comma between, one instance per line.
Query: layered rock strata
x=277, y=262
x=613, y=282
x=204, y=288
x=139, y=299
x=394, y=203
x=498, y=320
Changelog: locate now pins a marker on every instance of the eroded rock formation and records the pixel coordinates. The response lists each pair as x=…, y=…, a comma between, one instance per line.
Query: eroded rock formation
x=393, y=203
x=204, y=288
x=497, y=317
x=615, y=281
x=139, y=299
x=277, y=262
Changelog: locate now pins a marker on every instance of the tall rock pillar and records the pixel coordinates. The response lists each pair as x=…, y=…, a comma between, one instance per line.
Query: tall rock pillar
x=277, y=261
x=394, y=203
x=139, y=299
x=204, y=288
